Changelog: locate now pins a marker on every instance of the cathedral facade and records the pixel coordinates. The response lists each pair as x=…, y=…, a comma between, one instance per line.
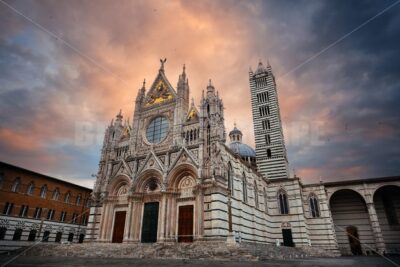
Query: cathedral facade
x=171, y=175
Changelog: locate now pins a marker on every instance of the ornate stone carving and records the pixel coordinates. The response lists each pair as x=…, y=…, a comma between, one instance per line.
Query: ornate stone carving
x=122, y=190
x=186, y=185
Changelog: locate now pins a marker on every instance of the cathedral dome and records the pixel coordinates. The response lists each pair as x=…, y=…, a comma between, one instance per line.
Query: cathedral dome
x=242, y=150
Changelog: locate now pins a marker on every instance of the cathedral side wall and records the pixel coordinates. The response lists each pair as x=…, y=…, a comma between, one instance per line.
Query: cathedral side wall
x=320, y=229
x=295, y=219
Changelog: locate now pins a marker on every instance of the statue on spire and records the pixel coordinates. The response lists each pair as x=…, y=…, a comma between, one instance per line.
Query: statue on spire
x=162, y=63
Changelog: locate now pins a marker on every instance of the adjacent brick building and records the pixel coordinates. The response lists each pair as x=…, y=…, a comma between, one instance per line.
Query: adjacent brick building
x=34, y=206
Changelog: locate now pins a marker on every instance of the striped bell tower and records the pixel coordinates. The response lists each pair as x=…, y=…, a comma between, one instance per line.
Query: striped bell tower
x=270, y=144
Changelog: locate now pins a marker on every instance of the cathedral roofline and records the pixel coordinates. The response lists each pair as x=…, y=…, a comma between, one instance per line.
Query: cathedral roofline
x=357, y=181
x=236, y=156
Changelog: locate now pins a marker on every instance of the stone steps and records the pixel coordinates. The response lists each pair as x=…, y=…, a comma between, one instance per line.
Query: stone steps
x=8, y=247
x=197, y=250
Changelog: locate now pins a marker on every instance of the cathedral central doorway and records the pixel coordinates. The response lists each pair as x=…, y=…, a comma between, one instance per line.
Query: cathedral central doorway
x=354, y=241
x=185, y=224
x=119, y=227
x=150, y=222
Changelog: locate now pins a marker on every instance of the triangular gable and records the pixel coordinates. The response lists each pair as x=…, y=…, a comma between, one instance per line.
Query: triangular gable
x=184, y=156
x=193, y=115
x=151, y=162
x=122, y=168
x=126, y=132
x=160, y=92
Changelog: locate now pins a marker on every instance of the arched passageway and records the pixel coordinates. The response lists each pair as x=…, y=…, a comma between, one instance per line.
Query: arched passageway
x=352, y=224
x=387, y=205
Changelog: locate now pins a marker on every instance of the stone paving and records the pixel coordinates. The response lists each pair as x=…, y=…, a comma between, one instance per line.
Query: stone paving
x=197, y=250
x=28, y=261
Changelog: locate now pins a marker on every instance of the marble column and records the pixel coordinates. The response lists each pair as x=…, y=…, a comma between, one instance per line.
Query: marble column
x=376, y=228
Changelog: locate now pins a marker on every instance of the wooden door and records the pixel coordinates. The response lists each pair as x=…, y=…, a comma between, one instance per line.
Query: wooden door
x=287, y=237
x=119, y=227
x=354, y=241
x=185, y=224
x=150, y=222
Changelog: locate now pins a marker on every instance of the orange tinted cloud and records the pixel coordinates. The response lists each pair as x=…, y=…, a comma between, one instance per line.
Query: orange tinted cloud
x=50, y=88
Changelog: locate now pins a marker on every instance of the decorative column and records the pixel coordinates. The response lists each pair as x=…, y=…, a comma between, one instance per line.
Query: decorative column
x=199, y=209
x=136, y=219
x=376, y=228
x=163, y=217
x=128, y=222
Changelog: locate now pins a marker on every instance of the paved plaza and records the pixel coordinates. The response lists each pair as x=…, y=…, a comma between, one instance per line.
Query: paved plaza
x=25, y=261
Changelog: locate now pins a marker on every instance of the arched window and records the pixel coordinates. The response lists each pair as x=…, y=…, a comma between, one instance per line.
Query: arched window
x=265, y=200
x=78, y=200
x=46, y=236
x=58, y=237
x=283, y=202
x=43, y=191
x=230, y=179
x=269, y=154
x=70, y=237
x=314, y=207
x=31, y=186
x=17, y=234
x=268, y=139
x=255, y=194
x=32, y=235
x=56, y=194
x=3, y=231
x=16, y=185
x=66, y=197
x=244, y=188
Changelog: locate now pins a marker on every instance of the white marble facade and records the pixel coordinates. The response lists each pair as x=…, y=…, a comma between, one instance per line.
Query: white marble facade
x=174, y=153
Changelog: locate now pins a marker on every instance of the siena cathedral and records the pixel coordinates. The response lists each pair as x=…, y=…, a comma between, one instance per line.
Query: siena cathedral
x=174, y=174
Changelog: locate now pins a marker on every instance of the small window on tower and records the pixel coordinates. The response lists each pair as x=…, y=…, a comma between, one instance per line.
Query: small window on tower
x=268, y=139
x=269, y=153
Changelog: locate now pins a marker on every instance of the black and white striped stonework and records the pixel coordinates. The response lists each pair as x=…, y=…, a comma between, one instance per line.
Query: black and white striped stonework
x=270, y=145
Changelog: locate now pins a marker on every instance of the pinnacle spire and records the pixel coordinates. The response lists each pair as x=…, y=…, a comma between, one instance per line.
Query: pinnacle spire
x=119, y=116
x=162, y=64
x=210, y=87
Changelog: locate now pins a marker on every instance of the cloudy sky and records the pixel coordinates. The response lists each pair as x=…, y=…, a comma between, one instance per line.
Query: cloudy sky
x=67, y=67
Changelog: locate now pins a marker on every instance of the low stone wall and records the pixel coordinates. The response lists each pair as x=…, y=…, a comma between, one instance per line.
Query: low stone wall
x=197, y=250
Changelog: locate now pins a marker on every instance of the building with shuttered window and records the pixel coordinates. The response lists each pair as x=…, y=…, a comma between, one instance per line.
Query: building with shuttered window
x=36, y=207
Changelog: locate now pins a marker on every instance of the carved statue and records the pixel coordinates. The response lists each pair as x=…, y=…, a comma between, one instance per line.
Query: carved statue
x=162, y=63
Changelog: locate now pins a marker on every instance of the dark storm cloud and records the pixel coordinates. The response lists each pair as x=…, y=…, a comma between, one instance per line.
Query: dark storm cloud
x=365, y=131
x=341, y=110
